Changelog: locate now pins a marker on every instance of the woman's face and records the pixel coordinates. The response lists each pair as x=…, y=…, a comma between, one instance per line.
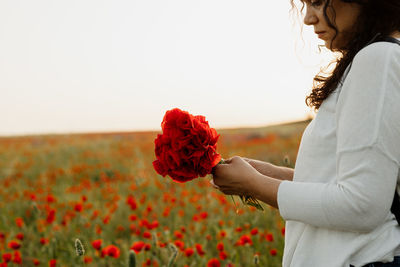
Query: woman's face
x=342, y=15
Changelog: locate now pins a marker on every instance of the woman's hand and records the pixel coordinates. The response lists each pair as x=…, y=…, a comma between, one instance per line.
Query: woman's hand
x=238, y=177
x=235, y=177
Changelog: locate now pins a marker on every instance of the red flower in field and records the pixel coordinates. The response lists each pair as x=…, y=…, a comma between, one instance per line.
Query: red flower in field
x=189, y=252
x=51, y=198
x=106, y=219
x=213, y=263
x=19, y=222
x=17, y=257
x=138, y=246
x=111, y=251
x=222, y=233
x=84, y=198
x=52, y=263
x=220, y=246
x=273, y=252
x=2, y=236
x=14, y=245
x=238, y=229
x=153, y=225
x=199, y=249
x=51, y=216
x=131, y=202
x=283, y=231
x=147, y=235
x=132, y=217
x=178, y=234
x=95, y=214
x=97, y=244
x=36, y=262
x=187, y=147
x=254, y=231
x=7, y=257
x=269, y=237
x=87, y=259
x=244, y=239
x=3, y=264
x=20, y=236
x=204, y=215
x=180, y=244
x=147, y=247
x=223, y=255
x=78, y=207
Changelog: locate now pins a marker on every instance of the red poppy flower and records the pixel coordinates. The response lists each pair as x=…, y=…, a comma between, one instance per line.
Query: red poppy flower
x=20, y=236
x=269, y=237
x=19, y=222
x=131, y=202
x=78, y=207
x=36, y=262
x=7, y=257
x=14, y=245
x=213, y=263
x=52, y=263
x=50, y=198
x=189, y=252
x=51, y=216
x=17, y=257
x=180, y=244
x=244, y=239
x=97, y=244
x=178, y=234
x=147, y=235
x=138, y=246
x=254, y=231
x=112, y=251
x=273, y=252
x=87, y=259
x=223, y=255
x=220, y=246
x=199, y=249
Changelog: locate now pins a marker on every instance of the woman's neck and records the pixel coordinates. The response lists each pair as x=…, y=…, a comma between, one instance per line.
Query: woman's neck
x=395, y=34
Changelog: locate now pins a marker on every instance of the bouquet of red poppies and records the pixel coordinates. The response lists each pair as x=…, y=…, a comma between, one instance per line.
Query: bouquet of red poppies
x=187, y=148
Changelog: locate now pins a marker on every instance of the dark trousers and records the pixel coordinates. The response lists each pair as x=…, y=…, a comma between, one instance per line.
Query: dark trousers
x=394, y=263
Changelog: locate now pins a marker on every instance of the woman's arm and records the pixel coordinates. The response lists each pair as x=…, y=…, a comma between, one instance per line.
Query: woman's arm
x=271, y=170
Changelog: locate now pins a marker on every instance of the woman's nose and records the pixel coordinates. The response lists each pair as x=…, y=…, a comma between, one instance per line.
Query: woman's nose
x=310, y=17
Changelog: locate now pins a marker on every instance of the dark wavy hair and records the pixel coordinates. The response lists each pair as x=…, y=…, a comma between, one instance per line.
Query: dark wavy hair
x=378, y=18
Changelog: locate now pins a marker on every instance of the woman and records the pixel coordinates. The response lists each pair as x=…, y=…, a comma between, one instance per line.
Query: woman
x=337, y=200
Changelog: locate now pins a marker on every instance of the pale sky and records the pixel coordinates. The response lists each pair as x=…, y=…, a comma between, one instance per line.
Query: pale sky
x=71, y=66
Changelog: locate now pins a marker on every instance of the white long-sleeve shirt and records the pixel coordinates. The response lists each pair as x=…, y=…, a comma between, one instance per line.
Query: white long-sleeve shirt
x=337, y=208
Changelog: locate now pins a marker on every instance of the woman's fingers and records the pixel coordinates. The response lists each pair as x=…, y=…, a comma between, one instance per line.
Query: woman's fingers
x=213, y=184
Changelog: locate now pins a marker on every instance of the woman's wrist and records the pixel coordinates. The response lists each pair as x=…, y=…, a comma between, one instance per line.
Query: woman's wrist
x=271, y=170
x=264, y=188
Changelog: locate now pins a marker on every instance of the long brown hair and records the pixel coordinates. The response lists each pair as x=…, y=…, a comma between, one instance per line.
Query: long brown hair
x=377, y=18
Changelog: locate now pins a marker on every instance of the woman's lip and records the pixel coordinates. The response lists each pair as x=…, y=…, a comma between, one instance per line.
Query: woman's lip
x=320, y=34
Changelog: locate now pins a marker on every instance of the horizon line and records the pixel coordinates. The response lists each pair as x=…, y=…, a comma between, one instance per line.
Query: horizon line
x=100, y=132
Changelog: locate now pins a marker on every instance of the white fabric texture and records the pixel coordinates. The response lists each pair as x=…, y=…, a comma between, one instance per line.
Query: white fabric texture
x=337, y=208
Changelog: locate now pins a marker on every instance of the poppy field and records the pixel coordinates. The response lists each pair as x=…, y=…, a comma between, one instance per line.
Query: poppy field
x=96, y=200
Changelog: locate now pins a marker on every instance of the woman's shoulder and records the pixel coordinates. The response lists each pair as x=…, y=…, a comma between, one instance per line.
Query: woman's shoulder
x=378, y=53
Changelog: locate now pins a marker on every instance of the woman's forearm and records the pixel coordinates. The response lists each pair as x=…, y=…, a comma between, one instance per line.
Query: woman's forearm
x=271, y=170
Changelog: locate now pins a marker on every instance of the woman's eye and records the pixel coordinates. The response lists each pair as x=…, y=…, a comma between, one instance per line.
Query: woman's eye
x=316, y=3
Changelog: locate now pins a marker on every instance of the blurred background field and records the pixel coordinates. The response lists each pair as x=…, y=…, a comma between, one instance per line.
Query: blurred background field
x=102, y=189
